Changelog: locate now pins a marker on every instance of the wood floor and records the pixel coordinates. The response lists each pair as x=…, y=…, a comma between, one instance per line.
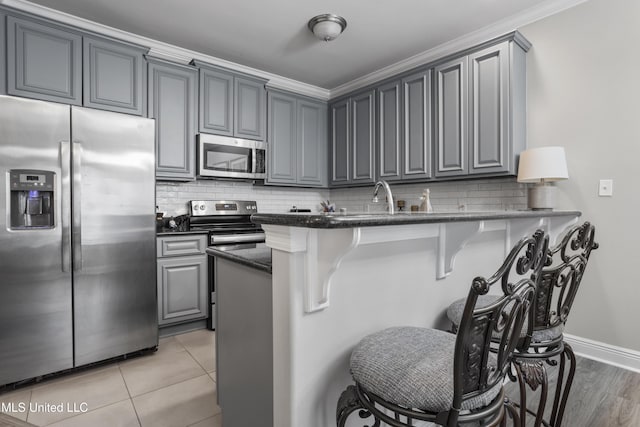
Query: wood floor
x=602, y=396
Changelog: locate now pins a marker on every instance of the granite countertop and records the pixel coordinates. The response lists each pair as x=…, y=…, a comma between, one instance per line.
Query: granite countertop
x=258, y=257
x=174, y=231
x=352, y=220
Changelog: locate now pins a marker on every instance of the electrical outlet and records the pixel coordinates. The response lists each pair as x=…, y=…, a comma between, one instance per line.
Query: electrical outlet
x=606, y=188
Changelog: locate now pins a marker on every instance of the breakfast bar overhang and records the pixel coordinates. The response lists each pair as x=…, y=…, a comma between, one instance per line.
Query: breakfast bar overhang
x=337, y=278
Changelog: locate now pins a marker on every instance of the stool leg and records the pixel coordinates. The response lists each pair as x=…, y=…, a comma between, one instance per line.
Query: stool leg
x=563, y=388
x=533, y=374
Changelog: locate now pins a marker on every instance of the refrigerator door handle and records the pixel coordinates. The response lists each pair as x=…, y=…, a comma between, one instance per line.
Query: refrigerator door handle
x=65, y=203
x=76, y=228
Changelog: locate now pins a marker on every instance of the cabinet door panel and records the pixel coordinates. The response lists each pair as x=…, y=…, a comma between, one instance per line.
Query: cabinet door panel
x=182, y=289
x=172, y=102
x=417, y=125
x=362, y=131
x=43, y=62
x=113, y=76
x=389, y=131
x=3, y=54
x=451, y=118
x=312, y=143
x=216, y=102
x=340, y=142
x=282, y=139
x=489, y=107
x=249, y=117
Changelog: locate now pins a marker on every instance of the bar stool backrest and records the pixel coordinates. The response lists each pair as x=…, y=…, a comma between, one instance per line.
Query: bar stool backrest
x=479, y=363
x=561, y=277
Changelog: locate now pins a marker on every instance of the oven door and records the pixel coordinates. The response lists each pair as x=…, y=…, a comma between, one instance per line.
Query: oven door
x=225, y=157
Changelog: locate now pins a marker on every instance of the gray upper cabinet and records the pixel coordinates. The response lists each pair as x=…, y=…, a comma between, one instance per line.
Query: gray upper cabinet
x=282, y=164
x=113, y=76
x=297, y=140
x=416, y=126
x=216, y=102
x=481, y=111
x=389, y=126
x=353, y=140
x=311, y=119
x=43, y=61
x=3, y=54
x=340, y=143
x=451, y=117
x=172, y=102
x=231, y=104
x=250, y=108
x=490, y=141
x=363, y=137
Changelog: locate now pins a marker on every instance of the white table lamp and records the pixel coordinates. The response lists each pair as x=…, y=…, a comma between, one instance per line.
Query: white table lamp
x=542, y=166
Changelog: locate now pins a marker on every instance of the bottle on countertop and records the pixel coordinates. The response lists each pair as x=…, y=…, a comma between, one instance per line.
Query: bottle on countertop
x=425, y=202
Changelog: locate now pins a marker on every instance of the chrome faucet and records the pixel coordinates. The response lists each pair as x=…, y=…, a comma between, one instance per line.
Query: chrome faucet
x=387, y=190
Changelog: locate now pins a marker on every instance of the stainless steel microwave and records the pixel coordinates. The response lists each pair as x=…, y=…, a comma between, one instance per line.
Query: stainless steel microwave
x=227, y=157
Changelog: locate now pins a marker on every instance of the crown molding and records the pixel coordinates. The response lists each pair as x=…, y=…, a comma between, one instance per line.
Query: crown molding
x=166, y=51
x=542, y=10
x=173, y=53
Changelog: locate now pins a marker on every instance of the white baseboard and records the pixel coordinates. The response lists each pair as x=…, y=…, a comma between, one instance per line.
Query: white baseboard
x=606, y=353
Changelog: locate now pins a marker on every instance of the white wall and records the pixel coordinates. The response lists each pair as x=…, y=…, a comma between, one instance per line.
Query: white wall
x=583, y=85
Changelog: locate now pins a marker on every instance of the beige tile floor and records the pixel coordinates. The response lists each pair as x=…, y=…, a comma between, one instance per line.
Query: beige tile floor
x=174, y=387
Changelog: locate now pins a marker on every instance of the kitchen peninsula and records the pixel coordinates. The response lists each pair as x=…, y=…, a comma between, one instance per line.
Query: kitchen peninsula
x=337, y=278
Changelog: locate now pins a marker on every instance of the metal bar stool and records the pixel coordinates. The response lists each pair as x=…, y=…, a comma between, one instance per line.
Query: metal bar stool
x=407, y=374
x=555, y=294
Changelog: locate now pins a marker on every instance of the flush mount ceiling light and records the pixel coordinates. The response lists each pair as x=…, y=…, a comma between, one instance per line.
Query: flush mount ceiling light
x=328, y=26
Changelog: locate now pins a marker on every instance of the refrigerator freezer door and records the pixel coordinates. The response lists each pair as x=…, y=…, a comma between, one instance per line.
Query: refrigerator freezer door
x=35, y=284
x=113, y=228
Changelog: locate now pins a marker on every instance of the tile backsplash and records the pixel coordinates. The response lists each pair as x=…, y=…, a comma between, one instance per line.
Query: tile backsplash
x=452, y=196
x=172, y=198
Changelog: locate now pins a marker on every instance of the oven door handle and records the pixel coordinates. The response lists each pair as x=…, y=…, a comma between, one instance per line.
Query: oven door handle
x=236, y=238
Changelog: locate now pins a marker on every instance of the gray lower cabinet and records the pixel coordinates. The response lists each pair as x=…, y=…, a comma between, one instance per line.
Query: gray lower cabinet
x=113, y=76
x=173, y=103
x=353, y=140
x=297, y=141
x=481, y=111
x=231, y=104
x=3, y=54
x=182, y=279
x=404, y=128
x=43, y=61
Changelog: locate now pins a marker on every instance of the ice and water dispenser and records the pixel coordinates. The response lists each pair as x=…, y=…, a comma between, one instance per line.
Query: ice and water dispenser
x=32, y=199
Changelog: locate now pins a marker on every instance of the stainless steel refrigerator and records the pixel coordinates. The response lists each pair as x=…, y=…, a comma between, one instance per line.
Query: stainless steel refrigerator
x=77, y=237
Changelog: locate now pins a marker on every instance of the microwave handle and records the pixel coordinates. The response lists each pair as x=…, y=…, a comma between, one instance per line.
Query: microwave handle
x=254, y=160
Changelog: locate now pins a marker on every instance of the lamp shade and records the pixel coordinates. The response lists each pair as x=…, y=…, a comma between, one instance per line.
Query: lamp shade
x=543, y=164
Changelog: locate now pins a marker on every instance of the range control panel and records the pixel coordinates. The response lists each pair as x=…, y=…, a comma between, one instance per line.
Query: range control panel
x=222, y=207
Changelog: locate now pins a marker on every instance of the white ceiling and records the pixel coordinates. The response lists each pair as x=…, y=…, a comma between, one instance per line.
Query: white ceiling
x=272, y=35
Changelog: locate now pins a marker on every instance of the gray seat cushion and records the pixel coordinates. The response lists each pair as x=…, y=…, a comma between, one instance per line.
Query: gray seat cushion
x=454, y=313
x=411, y=367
